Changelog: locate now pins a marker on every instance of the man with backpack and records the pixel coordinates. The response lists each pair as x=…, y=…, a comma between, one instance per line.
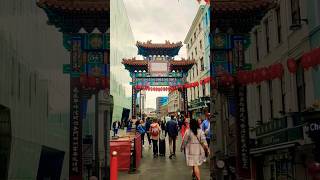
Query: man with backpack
x=172, y=130
x=155, y=132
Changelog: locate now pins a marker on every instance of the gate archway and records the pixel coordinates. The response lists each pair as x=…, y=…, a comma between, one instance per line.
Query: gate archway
x=158, y=68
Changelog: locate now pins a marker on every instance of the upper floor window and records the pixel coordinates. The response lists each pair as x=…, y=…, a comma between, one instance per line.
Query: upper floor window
x=301, y=89
x=266, y=26
x=200, y=44
x=257, y=45
x=279, y=27
x=196, y=50
x=200, y=27
x=194, y=35
x=295, y=12
x=196, y=69
x=270, y=98
x=201, y=64
x=260, y=104
x=203, y=90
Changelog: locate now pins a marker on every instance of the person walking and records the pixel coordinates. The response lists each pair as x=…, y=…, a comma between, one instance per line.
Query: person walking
x=205, y=126
x=172, y=130
x=162, y=139
x=184, y=127
x=115, y=126
x=154, y=132
x=196, y=148
x=148, y=123
x=141, y=131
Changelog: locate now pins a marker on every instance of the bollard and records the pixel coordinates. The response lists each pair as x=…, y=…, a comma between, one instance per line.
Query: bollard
x=114, y=166
x=132, y=168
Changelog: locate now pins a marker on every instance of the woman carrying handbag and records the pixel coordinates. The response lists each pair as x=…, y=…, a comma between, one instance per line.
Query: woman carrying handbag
x=196, y=148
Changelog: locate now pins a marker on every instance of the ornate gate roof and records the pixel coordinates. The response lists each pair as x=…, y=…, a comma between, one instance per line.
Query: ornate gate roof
x=72, y=15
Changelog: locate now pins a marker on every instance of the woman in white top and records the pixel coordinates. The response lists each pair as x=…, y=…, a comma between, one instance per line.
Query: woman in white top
x=194, y=143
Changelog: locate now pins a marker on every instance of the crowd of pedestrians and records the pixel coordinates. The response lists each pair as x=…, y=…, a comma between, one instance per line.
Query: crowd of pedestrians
x=195, y=136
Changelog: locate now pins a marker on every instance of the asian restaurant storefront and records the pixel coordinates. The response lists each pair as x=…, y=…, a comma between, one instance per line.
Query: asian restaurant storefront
x=283, y=149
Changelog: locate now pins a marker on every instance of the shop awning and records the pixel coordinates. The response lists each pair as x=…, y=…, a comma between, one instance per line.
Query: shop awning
x=274, y=147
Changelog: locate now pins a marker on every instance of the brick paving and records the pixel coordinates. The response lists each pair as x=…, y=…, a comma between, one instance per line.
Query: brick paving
x=164, y=168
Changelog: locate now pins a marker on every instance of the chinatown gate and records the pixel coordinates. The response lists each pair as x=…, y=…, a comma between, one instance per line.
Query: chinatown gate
x=158, y=68
x=84, y=25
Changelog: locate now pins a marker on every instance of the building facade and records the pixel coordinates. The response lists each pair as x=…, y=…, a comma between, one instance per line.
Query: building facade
x=121, y=45
x=175, y=102
x=198, y=48
x=160, y=101
x=32, y=94
x=283, y=107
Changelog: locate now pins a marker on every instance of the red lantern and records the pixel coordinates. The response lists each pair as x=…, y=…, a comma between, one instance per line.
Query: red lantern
x=279, y=70
x=306, y=61
x=264, y=74
x=255, y=76
x=314, y=168
x=83, y=80
x=292, y=65
x=103, y=82
x=230, y=80
x=318, y=56
x=92, y=82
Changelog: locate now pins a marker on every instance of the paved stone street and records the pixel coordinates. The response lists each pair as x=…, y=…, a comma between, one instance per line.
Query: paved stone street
x=164, y=168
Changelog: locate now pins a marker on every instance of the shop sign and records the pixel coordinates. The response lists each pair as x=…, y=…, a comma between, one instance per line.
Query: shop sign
x=158, y=82
x=243, y=158
x=314, y=129
x=75, y=160
x=221, y=42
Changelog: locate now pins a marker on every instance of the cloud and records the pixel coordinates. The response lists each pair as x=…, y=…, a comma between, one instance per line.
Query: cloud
x=160, y=20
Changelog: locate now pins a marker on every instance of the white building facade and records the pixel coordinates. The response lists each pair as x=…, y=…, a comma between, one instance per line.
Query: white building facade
x=198, y=48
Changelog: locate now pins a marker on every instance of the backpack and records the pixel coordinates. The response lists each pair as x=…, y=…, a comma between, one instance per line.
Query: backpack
x=154, y=130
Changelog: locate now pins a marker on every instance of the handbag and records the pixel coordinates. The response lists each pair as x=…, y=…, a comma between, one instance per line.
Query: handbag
x=206, y=150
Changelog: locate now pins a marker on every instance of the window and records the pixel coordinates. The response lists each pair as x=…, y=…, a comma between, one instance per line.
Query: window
x=200, y=43
x=196, y=69
x=295, y=12
x=194, y=35
x=19, y=81
x=198, y=91
x=283, y=96
x=203, y=90
x=260, y=104
x=192, y=56
x=30, y=89
x=270, y=98
x=301, y=89
x=279, y=28
x=257, y=45
x=201, y=64
x=196, y=51
x=200, y=27
x=266, y=27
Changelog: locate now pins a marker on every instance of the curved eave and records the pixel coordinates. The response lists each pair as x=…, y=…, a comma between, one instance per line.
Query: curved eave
x=69, y=5
x=158, y=51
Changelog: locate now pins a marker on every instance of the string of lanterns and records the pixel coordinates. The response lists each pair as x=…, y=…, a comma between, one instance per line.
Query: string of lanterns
x=173, y=88
x=242, y=77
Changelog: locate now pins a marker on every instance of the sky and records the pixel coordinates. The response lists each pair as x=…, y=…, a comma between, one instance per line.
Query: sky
x=160, y=20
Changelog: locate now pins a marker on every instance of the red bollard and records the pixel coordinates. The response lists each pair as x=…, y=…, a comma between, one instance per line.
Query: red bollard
x=114, y=166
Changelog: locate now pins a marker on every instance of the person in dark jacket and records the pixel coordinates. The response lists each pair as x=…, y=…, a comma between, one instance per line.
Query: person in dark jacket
x=148, y=123
x=172, y=130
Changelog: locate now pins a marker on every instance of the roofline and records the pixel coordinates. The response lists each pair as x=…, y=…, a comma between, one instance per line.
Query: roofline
x=199, y=13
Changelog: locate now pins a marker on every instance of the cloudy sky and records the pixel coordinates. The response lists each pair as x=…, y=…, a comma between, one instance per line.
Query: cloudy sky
x=160, y=20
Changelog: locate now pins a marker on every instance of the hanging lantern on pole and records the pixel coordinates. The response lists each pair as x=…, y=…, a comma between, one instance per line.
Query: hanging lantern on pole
x=292, y=65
